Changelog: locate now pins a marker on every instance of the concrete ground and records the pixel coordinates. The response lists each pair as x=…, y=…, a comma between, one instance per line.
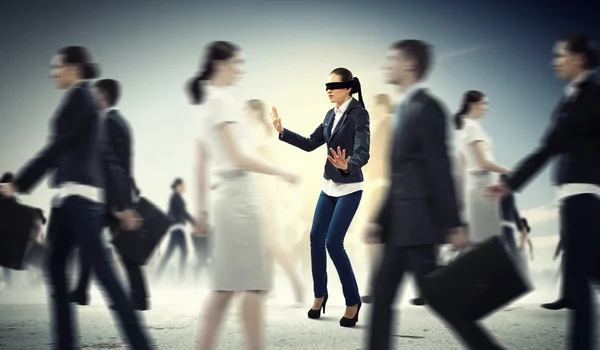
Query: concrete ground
x=174, y=319
x=173, y=324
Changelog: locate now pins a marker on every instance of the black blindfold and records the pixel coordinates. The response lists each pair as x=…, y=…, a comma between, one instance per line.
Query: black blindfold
x=342, y=85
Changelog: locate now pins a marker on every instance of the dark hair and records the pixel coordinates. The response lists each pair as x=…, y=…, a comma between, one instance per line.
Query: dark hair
x=469, y=97
x=80, y=56
x=259, y=107
x=583, y=44
x=525, y=224
x=385, y=100
x=215, y=51
x=347, y=76
x=7, y=178
x=178, y=181
x=419, y=51
x=111, y=89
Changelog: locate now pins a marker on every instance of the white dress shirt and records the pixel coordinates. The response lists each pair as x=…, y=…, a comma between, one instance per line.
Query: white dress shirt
x=569, y=190
x=334, y=189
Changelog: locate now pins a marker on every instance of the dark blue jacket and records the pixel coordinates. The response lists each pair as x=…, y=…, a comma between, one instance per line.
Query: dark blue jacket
x=77, y=151
x=177, y=210
x=351, y=133
x=572, y=139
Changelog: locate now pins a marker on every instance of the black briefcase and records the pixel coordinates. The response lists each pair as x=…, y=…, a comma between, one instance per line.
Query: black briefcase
x=139, y=245
x=476, y=283
x=16, y=225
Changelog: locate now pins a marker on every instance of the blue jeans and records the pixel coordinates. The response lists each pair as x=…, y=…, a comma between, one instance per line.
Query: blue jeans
x=332, y=218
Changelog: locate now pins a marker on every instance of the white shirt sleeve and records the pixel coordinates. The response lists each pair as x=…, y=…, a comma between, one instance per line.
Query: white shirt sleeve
x=222, y=111
x=473, y=133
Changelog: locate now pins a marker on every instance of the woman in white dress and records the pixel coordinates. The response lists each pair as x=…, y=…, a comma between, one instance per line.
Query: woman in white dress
x=272, y=197
x=223, y=148
x=478, y=168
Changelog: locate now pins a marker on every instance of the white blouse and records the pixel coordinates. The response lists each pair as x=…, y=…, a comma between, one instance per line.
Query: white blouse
x=220, y=107
x=473, y=132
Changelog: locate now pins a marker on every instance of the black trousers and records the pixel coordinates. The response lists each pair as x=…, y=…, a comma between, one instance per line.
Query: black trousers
x=567, y=287
x=580, y=222
x=509, y=237
x=135, y=275
x=177, y=240
x=78, y=222
x=201, y=246
x=421, y=260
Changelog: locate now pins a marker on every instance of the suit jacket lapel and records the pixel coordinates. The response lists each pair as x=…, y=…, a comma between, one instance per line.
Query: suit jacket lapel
x=341, y=122
x=400, y=124
x=344, y=117
x=328, y=125
x=406, y=108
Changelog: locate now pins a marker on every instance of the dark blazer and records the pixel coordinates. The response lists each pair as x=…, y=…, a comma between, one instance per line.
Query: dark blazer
x=573, y=138
x=510, y=212
x=421, y=204
x=177, y=210
x=118, y=135
x=351, y=133
x=119, y=139
x=75, y=151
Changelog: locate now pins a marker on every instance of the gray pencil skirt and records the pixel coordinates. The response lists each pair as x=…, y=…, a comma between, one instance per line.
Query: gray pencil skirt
x=483, y=212
x=239, y=249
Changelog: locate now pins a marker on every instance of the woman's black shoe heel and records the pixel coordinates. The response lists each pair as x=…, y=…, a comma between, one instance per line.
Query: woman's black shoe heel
x=351, y=322
x=314, y=314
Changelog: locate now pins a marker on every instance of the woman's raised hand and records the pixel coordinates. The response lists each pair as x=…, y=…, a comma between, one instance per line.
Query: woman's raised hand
x=276, y=120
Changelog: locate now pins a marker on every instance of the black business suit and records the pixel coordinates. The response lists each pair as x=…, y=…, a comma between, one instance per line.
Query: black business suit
x=77, y=153
x=119, y=137
x=179, y=215
x=573, y=140
x=420, y=208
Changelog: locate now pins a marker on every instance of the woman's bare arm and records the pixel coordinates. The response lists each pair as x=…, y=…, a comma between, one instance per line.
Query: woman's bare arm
x=462, y=178
x=242, y=159
x=201, y=166
x=482, y=160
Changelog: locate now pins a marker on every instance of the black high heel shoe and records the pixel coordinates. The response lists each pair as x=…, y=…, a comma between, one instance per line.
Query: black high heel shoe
x=314, y=314
x=351, y=322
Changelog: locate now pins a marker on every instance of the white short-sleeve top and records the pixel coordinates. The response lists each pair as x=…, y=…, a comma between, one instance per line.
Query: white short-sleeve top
x=220, y=107
x=473, y=132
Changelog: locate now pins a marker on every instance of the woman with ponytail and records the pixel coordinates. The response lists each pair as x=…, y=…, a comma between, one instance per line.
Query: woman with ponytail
x=239, y=251
x=345, y=131
x=478, y=168
x=74, y=154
